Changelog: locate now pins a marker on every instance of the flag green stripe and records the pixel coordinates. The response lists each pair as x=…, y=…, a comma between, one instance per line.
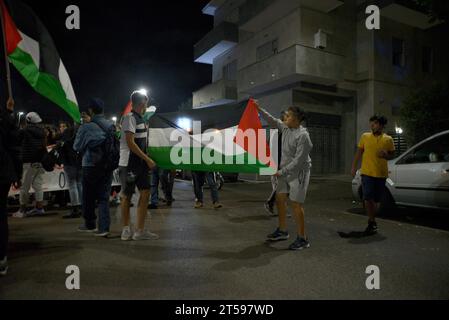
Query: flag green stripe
x=43, y=83
x=243, y=163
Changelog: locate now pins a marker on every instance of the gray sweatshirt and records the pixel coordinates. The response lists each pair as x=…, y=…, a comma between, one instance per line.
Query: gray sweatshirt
x=296, y=147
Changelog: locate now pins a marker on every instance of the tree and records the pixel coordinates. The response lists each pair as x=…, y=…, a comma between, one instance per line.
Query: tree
x=426, y=112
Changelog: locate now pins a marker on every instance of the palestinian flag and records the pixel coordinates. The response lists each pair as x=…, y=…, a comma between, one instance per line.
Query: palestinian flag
x=32, y=51
x=229, y=138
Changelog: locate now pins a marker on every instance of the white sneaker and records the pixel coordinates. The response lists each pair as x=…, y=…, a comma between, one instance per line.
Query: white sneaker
x=145, y=235
x=19, y=214
x=126, y=234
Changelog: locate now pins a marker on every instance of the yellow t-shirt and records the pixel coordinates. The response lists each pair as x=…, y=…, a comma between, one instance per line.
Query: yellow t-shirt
x=372, y=165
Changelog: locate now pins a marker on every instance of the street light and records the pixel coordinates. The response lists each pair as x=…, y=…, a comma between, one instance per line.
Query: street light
x=114, y=119
x=399, y=131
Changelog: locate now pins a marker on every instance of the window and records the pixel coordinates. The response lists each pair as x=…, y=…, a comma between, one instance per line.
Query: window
x=230, y=71
x=268, y=49
x=427, y=60
x=436, y=150
x=398, y=51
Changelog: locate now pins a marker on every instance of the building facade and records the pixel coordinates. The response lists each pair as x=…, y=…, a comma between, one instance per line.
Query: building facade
x=319, y=55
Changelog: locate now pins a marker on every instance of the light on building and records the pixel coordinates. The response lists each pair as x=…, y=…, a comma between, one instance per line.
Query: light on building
x=399, y=130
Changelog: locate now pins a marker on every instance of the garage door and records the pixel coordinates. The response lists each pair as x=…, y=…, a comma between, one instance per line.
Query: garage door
x=326, y=149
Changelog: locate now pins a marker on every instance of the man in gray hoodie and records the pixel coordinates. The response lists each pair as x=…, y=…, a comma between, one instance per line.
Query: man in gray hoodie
x=293, y=173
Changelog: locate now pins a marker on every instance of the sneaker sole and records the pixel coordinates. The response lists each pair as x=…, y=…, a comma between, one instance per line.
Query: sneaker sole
x=104, y=235
x=278, y=239
x=87, y=231
x=300, y=248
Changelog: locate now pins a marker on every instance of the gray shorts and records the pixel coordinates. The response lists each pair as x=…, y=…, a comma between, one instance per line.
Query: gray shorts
x=295, y=187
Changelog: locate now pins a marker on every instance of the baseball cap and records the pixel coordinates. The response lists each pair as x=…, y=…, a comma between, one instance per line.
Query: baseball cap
x=33, y=117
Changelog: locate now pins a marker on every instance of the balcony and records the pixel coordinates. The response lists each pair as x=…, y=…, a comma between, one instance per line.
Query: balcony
x=405, y=12
x=222, y=38
x=217, y=93
x=256, y=15
x=212, y=7
x=290, y=67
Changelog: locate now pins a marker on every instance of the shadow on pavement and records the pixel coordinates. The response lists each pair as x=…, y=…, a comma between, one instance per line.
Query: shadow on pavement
x=360, y=237
x=251, y=257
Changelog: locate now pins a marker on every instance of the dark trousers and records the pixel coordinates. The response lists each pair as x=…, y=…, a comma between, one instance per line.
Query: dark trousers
x=96, y=190
x=167, y=181
x=198, y=181
x=4, y=230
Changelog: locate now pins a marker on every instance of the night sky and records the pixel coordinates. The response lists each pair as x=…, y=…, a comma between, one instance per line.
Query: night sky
x=122, y=46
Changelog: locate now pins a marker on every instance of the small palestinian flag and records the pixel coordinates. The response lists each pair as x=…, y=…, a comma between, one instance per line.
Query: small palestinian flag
x=226, y=138
x=32, y=51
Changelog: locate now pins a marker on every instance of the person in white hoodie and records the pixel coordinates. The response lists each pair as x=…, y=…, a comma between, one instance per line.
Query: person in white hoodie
x=293, y=173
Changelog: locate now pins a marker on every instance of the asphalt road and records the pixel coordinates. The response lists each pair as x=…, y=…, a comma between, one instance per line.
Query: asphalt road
x=222, y=254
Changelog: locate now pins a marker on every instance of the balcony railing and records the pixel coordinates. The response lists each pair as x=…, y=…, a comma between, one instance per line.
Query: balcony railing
x=220, y=92
x=291, y=66
x=216, y=42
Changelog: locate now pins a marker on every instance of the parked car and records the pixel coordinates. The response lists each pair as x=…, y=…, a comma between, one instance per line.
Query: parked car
x=418, y=178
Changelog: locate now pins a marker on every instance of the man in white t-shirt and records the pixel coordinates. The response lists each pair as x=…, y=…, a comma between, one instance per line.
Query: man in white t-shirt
x=134, y=168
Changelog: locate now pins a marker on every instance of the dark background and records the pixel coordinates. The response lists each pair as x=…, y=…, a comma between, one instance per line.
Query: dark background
x=121, y=46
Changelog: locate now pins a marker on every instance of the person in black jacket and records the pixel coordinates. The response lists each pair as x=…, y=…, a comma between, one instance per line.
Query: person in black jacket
x=10, y=173
x=34, y=147
x=72, y=167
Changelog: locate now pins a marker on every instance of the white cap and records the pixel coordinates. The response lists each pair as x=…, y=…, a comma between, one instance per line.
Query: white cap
x=33, y=117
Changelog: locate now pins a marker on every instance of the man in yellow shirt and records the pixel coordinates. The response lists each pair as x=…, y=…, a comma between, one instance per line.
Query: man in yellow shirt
x=375, y=149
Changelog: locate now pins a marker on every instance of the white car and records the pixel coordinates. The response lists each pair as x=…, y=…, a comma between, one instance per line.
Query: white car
x=418, y=178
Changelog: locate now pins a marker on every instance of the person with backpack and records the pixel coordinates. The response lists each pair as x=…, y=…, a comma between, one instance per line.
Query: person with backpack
x=10, y=174
x=72, y=167
x=96, y=142
x=34, y=148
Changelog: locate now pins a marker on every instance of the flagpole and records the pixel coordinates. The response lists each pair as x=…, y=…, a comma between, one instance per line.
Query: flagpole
x=8, y=70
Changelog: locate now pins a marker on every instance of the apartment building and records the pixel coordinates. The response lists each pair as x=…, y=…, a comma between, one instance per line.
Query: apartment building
x=319, y=55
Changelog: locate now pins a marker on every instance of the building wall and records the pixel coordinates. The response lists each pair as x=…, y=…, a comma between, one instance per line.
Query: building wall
x=371, y=83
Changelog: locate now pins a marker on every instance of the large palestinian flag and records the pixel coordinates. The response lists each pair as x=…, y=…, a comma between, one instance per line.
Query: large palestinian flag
x=32, y=51
x=231, y=139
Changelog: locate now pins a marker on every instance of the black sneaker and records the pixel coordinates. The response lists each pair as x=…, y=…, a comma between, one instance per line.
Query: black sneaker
x=299, y=244
x=278, y=235
x=152, y=206
x=372, y=228
x=83, y=228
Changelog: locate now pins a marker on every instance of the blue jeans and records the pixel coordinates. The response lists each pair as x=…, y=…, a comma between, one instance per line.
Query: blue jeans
x=155, y=178
x=96, y=189
x=198, y=181
x=74, y=179
x=168, y=181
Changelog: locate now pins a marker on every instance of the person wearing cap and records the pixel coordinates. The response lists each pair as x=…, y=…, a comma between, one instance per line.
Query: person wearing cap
x=96, y=182
x=34, y=147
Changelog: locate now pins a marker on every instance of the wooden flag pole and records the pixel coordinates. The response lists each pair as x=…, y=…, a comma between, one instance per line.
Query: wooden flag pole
x=8, y=70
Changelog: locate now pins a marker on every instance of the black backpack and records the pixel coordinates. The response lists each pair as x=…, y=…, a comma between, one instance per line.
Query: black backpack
x=107, y=155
